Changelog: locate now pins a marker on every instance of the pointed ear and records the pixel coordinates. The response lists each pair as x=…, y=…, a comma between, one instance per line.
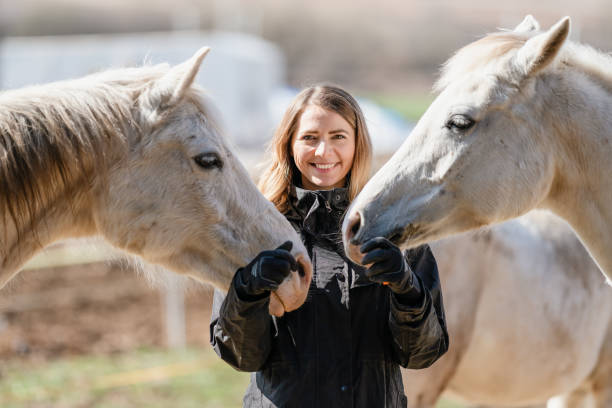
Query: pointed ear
x=168, y=90
x=539, y=51
x=528, y=25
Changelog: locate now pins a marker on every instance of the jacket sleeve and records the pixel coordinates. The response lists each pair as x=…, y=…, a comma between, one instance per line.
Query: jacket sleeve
x=241, y=329
x=419, y=328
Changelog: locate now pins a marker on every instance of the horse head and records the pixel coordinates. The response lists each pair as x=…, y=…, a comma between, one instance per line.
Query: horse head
x=135, y=155
x=479, y=155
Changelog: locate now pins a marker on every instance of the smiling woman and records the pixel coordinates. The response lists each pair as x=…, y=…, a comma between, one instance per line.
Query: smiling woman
x=323, y=148
x=344, y=346
x=336, y=111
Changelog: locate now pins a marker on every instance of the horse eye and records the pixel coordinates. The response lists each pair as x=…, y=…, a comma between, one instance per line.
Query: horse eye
x=208, y=161
x=460, y=122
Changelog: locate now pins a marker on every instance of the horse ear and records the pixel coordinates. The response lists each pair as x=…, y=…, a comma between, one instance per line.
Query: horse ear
x=186, y=74
x=539, y=51
x=529, y=24
x=168, y=90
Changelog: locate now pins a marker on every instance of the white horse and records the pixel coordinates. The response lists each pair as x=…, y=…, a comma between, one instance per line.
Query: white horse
x=529, y=317
x=135, y=156
x=523, y=121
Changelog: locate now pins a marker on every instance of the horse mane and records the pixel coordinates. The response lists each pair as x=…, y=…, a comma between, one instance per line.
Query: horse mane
x=55, y=136
x=495, y=48
x=478, y=55
x=594, y=63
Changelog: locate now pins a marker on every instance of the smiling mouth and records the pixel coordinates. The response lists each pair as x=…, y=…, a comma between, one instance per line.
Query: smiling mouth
x=324, y=167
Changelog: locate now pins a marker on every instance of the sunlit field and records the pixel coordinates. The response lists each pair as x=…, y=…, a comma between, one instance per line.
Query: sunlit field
x=142, y=378
x=149, y=378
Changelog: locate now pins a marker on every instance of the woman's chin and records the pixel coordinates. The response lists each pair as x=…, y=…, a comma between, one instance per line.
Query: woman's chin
x=326, y=183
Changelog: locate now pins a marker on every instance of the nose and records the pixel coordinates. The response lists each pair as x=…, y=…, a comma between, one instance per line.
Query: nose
x=354, y=227
x=321, y=147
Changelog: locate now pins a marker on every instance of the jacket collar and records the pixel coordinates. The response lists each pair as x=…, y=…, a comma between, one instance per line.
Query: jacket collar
x=303, y=200
x=320, y=212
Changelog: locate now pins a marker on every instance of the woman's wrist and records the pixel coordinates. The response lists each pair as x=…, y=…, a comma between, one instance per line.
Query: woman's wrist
x=409, y=291
x=242, y=290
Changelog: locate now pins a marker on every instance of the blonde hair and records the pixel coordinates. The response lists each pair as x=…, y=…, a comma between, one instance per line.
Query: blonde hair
x=275, y=183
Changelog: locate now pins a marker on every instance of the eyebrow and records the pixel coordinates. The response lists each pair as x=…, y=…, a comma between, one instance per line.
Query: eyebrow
x=317, y=131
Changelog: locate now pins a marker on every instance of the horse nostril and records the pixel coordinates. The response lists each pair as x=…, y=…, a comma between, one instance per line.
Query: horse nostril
x=353, y=226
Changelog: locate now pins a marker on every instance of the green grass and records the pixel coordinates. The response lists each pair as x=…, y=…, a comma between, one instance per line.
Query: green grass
x=146, y=378
x=444, y=403
x=410, y=107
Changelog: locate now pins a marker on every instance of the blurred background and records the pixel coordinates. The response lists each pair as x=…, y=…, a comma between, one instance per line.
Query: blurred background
x=81, y=327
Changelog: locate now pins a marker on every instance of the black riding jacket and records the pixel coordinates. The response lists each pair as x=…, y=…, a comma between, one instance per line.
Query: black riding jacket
x=344, y=346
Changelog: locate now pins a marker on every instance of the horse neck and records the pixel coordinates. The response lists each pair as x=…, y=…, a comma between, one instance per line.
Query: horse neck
x=66, y=218
x=65, y=204
x=581, y=133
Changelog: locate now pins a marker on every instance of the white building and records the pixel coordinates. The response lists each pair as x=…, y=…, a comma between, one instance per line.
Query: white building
x=240, y=72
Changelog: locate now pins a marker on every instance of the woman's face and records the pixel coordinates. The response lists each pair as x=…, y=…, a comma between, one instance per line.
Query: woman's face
x=323, y=148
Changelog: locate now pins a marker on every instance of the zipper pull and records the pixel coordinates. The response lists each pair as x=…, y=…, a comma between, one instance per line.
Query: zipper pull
x=327, y=205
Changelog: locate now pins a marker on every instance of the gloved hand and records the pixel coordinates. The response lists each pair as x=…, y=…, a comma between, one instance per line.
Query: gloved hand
x=387, y=265
x=267, y=270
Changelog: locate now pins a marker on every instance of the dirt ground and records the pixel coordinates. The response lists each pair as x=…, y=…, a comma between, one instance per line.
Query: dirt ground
x=99, y=308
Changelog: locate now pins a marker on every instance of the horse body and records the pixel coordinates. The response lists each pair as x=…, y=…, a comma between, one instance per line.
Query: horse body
x=522, y=121
x=134, y=155
x=529, y=315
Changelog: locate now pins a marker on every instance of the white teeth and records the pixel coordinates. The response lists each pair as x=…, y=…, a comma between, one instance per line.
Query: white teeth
x=324, y=166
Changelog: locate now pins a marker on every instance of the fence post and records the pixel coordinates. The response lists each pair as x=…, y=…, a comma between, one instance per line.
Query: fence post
x=174, y=302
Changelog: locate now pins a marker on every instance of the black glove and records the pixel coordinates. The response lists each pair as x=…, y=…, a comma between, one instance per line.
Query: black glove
x=267, y=271
x=388, y=265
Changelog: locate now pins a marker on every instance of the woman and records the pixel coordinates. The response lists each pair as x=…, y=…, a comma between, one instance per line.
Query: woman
x=344, y=346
